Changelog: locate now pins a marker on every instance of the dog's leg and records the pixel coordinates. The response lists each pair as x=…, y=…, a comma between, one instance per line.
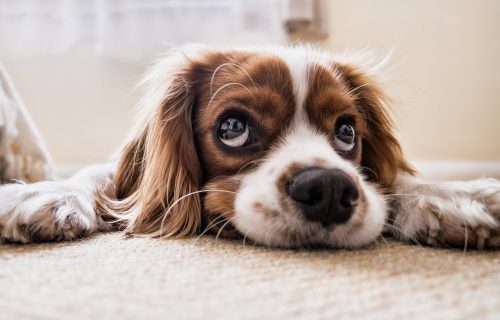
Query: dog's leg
x=461, y=214
x=53, y=210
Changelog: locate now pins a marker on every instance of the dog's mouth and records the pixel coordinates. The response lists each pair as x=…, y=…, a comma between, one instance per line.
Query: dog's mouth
x=315, y=207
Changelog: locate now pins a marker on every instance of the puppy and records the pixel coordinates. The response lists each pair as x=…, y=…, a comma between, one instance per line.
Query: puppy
x=286, y=147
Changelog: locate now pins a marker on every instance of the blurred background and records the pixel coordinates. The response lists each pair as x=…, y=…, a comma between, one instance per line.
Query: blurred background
x=75, y=63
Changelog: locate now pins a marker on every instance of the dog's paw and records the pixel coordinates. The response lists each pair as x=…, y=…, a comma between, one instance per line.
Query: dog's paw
x=46, y=211
x=461, y=214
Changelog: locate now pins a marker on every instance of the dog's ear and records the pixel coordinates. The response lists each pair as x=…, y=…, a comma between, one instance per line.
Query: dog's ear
x=158, y=172
x=382, y=156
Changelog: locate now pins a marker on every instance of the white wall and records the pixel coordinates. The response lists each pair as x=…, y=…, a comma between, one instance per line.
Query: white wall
x=445, y=78
x=81, y=102
x=445, y=75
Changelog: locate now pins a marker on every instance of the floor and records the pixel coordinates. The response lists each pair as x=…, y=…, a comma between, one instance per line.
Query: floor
x=109, y=277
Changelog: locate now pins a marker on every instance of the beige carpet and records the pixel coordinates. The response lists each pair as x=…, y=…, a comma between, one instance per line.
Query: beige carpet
x=108, y=277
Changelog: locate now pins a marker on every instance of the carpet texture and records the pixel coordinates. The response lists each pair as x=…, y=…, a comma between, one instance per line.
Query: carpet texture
x=108, y=277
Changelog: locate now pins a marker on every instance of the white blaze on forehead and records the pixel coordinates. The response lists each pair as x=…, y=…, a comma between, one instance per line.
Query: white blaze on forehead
x=299, y=59
x=298, y=62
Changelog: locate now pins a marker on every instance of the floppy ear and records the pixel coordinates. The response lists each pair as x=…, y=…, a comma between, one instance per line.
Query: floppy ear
x=158, y=169
x=381, y=152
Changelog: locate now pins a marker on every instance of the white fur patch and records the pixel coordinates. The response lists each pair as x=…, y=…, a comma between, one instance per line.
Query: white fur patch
x=52, y=210
x=455, y=213
x=302, y=146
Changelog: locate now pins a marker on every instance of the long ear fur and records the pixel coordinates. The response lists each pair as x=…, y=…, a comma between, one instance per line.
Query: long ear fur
x=381, y=152
x=158, y=171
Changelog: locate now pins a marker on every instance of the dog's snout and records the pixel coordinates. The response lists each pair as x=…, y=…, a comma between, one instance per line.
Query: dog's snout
x=325, y=195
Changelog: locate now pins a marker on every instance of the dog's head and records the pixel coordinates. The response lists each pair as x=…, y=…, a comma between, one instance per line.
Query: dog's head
x=284, y=146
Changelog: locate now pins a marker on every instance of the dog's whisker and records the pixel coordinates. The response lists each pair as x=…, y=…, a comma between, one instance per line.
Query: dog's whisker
x=215, y=73
x=384, y=240
x=245, y=238
x=399, y=233
x=246, y=73
x=184, y=197
x=466, y=233
x=227, y=85
x=403, y=236
x=401, y=194
x=363, y=168
x=235, y=64
x=218, y=220
x=353, y=91
x=222, y=228
x=257, y=161
x=266, y=236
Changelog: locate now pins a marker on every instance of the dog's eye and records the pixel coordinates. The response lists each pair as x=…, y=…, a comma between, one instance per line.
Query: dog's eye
x=345, y=137
x=233, y=132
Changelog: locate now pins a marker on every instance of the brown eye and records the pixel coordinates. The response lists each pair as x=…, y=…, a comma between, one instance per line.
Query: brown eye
x=233, y=132
x=345, y=137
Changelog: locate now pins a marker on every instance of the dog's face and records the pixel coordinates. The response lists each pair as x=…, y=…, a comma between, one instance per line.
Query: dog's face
x=286, y=147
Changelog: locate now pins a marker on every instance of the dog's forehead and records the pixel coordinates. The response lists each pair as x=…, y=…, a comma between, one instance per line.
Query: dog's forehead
x=294, y=74
x=301, y=65
x=321, y=92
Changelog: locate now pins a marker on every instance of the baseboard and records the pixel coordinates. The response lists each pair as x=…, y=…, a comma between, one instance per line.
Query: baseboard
x=66, y=170
x=439, y=170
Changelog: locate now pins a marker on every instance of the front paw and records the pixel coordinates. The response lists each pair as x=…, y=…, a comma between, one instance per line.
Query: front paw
x=45, y=211
x=461, y=214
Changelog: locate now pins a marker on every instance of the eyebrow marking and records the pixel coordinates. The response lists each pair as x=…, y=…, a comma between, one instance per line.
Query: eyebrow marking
x=229, y=64
x=227, y=85
x=297, y=64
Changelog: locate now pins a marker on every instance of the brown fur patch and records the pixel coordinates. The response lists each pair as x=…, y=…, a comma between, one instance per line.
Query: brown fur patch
x=265, y=211
x=289, y=171
x=381, y=153
x=177, y=153
x=329, y=100
x=261, y=88
x=358, y=219
x=319, y=162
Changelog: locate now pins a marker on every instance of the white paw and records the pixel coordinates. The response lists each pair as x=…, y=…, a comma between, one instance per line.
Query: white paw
x=455, y=214
x=46, y=211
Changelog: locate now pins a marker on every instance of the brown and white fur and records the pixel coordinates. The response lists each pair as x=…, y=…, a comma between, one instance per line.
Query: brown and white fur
x=175, y=177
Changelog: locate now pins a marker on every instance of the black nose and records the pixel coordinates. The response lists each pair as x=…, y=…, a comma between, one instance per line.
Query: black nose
x=325, y=195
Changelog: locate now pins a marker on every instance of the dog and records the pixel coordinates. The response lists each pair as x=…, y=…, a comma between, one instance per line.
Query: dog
x=287, y=147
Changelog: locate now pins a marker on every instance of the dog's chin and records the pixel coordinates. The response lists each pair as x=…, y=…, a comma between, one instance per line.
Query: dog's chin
x=287, y=228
